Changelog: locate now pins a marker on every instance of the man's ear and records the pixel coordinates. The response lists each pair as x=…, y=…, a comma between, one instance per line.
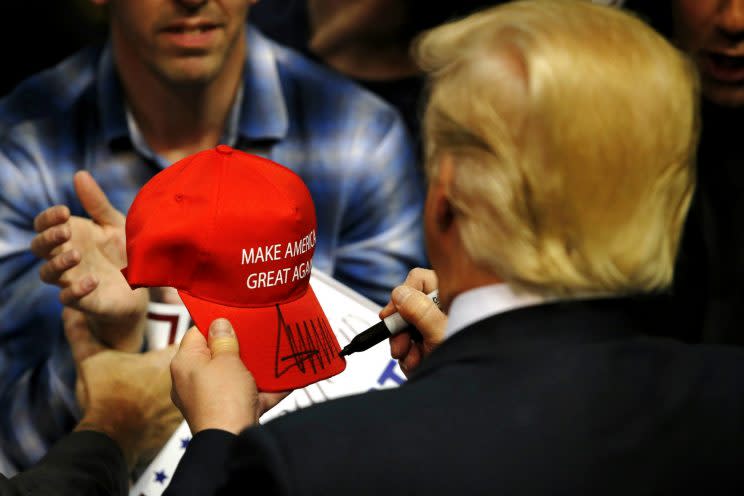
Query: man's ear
x=444, y=212
x=444, y=215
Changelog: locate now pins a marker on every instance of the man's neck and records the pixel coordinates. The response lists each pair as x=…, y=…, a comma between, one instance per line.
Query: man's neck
x=176, y=121
x=379, y=62
x=464, y=278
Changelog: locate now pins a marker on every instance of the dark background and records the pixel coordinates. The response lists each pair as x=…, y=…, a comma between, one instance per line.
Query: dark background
x=37, y=34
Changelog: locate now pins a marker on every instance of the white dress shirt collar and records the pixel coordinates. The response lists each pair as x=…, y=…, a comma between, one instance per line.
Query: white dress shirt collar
x=485, y=301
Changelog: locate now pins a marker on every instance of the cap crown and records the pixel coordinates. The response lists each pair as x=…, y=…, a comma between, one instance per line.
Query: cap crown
x=224, y=226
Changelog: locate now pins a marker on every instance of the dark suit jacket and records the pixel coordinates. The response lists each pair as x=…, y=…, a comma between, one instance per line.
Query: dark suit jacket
x=707, y=300
x=83, y=463
x=567, y=398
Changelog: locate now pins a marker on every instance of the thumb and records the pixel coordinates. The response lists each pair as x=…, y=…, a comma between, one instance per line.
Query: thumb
x=193, y=342
x=222, y=339
x=95, y=201
x=421, y=312
x=82, y=342
x=192, y=351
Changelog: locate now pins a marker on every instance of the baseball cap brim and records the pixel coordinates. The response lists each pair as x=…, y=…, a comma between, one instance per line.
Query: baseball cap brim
x=285, y=346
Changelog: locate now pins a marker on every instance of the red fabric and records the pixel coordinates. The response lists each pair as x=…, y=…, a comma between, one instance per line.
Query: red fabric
x=235, y=234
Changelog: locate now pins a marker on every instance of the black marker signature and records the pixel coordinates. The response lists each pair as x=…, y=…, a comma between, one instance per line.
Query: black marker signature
x=310, y=345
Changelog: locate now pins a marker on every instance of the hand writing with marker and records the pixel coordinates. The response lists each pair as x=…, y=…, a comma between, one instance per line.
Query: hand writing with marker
x=410, y=300
x=211, y=385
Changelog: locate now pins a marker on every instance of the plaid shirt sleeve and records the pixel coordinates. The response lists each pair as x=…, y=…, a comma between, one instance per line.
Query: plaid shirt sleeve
x=381, y=237
x=36, y=370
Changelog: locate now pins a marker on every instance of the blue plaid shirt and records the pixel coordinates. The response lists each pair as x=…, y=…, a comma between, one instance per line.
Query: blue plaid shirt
x=349, y=147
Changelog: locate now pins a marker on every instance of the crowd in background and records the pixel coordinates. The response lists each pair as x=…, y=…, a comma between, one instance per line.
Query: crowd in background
x=380, y=124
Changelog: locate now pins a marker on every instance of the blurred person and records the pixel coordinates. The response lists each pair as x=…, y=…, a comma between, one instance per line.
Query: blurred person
x=175, y=77
x=551, y=211
x=707, y=302
x=365, y=40
x=127, y=416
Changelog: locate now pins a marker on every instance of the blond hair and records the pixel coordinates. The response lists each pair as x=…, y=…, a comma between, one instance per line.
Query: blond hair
x=581, y=185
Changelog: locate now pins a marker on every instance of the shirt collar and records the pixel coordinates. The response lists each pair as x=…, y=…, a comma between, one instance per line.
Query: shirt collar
x=263, y=114
x=259, y=111
x=229, y=135
x=110, y=99
x=485, y=301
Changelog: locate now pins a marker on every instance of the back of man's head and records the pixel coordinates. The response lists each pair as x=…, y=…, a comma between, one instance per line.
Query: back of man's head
x=572, y=127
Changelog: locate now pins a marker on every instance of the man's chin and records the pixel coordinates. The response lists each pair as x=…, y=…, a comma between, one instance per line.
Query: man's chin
x=189, y=72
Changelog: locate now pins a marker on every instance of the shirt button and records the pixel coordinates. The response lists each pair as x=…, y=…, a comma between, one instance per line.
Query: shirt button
x=224, y=149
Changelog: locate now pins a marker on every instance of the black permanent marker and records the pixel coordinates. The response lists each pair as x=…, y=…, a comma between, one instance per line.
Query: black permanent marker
x=387, y=327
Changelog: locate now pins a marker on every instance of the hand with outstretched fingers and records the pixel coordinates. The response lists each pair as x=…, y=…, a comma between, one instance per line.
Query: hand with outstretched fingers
x=84, y=258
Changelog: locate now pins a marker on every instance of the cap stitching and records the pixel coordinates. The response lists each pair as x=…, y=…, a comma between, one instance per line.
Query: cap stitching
x=255, y=305
x=204, y=251
x=288, y=199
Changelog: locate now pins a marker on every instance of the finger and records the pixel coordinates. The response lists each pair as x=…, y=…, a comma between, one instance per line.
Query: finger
x=192, y=340
x=399, y=345
x=267, y=401
x=192, y=351
x=46, y=241
x=192, y=354
x=421, y=312
x=424, y=280
x=388, y=309
x=51, y=271
x=411, y=361
x=222, y=338
x=95, y=201
x=72, y=294
x=175, y=399
x=82, y=342
x=52, y=216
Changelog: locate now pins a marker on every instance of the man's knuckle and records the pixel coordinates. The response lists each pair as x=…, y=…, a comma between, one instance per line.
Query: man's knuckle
x=52, y=235
x=418, y=272
x=40, y=220
x=420, y=305
x=75, y=291
x=56, y=264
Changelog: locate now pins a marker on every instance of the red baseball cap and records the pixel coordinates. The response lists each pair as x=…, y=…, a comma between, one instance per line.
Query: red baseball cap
x=235, y=234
